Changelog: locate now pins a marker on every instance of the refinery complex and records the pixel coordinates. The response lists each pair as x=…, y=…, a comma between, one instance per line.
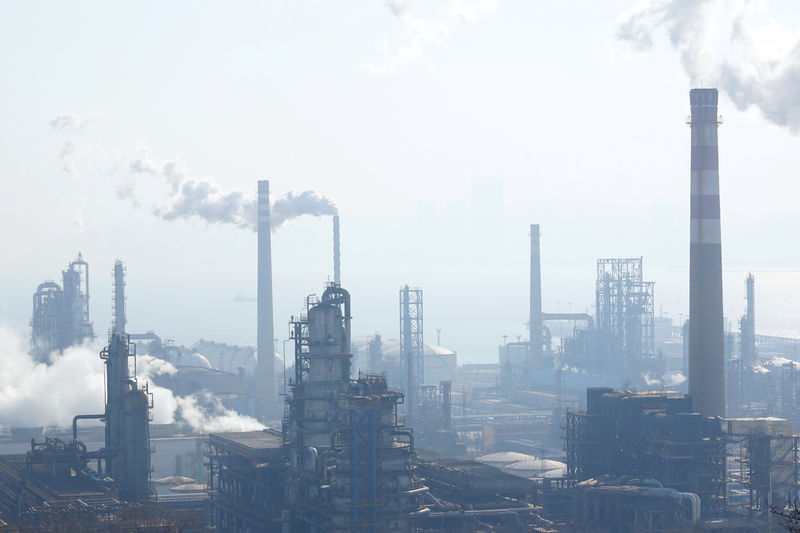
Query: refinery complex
x=618, y=420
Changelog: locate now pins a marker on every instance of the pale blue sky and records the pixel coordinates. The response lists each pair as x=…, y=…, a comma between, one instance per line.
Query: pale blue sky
x=587, y=137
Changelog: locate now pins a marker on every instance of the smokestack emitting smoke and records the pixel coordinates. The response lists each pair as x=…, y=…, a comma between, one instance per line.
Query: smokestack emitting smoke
x=265, y=366
x=204, y=199
x=754, y=61
x=706, y=348
x=536, y=293
x=337, y=272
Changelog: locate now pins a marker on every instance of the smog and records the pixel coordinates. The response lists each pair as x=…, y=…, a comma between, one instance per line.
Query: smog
x=464, y=265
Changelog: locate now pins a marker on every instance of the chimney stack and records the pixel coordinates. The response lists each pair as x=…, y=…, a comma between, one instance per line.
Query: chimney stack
x=265, y=366
x=706, y=344
x=337, y=269
x=535, y=295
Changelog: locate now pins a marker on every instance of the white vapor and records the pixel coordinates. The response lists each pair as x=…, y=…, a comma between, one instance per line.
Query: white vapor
x=417, y=32
x=67, y=159
x=67, y=122
x=204, y=199
x=296, y=204
x=670, y=379
x=755, y=61
x=36, y=394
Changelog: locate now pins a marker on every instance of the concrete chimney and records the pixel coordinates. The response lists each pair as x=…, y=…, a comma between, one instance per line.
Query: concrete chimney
x=706, y=336
x=266, y=399
x=536, y=295
x=337, y=269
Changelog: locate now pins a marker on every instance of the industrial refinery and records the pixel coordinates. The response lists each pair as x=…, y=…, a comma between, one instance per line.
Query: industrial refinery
x=593, y=426
x=427, y=267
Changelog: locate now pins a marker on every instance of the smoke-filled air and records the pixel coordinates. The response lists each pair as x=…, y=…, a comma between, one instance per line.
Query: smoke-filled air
x=400, y=266
x=38, y=394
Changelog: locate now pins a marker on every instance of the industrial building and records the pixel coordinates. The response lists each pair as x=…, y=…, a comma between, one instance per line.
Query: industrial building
x=61, y=312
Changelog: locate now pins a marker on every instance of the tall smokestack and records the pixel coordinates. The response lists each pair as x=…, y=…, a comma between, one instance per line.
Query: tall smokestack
x=536, y=294
x=706, y=336
x=337, y=268
x=119, y=297
x=265, y=366
x=747, y=326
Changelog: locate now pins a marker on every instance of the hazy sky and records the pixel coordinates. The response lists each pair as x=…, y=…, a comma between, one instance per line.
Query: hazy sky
x=441, y=129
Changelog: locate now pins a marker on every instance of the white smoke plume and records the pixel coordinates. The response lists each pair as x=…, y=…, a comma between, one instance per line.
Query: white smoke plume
x=67, y=159
x=670, y=379
x=126, y=191
x=200, y=411
x=204, y=199
x=417, y=32
x=67, y=122
x=36, y=394
x=296, y=204
x=754, y=60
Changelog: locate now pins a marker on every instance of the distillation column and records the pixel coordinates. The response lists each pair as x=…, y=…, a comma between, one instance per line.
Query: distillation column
x=706, y=345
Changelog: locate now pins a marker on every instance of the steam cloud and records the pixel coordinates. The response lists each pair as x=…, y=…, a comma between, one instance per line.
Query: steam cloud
x=756, y=63
x=204, y=199
x=67, y=122
x=417, y=33
x=670, y=379
x=67, y=159
x=35, y=394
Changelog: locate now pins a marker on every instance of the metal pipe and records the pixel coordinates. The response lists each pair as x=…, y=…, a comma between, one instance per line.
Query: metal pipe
x=536, y=293
x=83, y=417
x=585, y=317
x=408, y=433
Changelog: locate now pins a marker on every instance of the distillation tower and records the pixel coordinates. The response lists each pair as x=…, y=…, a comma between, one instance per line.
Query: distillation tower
x=352, y=463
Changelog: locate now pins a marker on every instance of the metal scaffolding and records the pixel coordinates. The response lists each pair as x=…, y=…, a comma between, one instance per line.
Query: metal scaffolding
x=625, y=308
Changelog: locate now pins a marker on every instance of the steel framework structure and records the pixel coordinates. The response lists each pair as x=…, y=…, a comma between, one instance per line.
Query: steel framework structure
x=625, y=307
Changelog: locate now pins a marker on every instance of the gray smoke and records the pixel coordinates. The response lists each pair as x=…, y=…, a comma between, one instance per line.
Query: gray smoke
x=755, y=62
x=67, y=122
x=204, y=199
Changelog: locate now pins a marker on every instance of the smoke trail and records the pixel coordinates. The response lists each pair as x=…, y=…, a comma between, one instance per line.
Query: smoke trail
x=67, y=122
x=755, y=62
x=67, y=159
x=204, y=199
x=294, y=205
x=416, y=33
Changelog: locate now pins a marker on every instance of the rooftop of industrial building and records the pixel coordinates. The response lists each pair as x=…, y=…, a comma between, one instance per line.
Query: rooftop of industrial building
x=254, y=444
